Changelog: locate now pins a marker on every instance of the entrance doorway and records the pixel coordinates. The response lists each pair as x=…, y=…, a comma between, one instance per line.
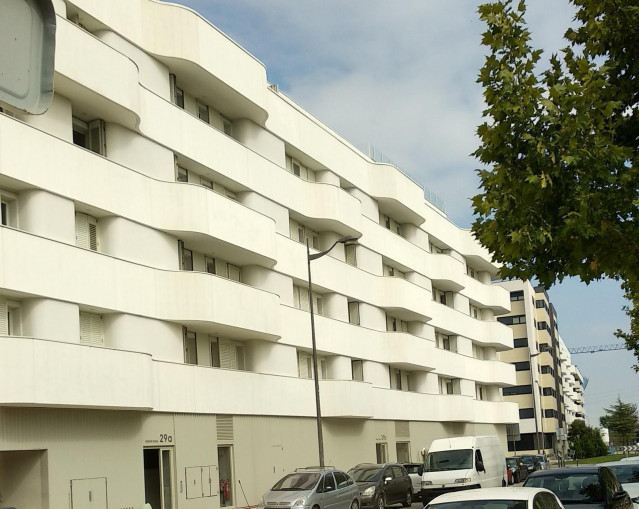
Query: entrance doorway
x=382, y=452
x=225, y=466
x=403, y=452
x=158, y=477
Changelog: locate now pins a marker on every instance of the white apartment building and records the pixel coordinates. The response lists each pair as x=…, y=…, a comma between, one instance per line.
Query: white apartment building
x=572, y=387
x=154, y=316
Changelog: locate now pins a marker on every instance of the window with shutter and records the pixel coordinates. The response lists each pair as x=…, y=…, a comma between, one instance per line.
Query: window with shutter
x=190, y=346
x=351, y=254
x=185, y=257
x=86, y=231
x=91, y=329
x=182, y=174
x=358, y=370
x=305, y=365
x=228, y=354
x=221, y=268
x=214, y=349
x=234, y=272
x=97, y=137
x=353, y=313
x=177, y=94
x=4, y=317
x=202, y=111
x=210, y=264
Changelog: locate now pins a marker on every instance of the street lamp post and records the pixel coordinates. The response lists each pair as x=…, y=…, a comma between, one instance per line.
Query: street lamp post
x=318, y=409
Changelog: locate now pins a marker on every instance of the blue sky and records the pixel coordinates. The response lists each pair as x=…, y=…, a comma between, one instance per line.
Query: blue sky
x=401, y=76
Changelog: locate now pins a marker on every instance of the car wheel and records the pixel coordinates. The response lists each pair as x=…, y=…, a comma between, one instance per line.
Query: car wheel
x=355, y=504
x=408, y=501
x=380, y=503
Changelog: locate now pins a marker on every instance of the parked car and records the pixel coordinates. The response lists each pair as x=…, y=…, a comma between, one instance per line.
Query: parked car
x=595, y=486
x=498, y=498
x=313, y=487
x=630, y=459
x=627, y=473
x=415, y=471
x=531, y=461
x=518, y=469
x=543, y=464
x=383, y=484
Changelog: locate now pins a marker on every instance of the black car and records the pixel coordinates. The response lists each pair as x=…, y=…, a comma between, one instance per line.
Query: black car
x=593, y=487
x=382, y=485
x=531, y=461
x=518, y=468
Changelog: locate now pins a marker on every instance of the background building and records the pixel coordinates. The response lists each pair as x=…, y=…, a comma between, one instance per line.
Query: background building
x=573, y=386
x=536, y=357
x=154, y=308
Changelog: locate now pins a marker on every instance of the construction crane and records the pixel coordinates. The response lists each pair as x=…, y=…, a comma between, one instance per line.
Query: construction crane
x=598, y=348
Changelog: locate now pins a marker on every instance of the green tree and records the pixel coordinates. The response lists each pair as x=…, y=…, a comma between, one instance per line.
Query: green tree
x=585, y=441
x=560, y=149
x=622, y=420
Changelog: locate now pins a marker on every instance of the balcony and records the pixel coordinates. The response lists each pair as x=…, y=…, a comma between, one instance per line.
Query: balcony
x=37, y=266
x=80, y=175
x=51, y=373
x=403, y=350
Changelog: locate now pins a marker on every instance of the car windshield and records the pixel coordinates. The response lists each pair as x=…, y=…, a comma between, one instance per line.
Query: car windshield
x=528, y=460
x=412, y=469
x=297, y=481
x=626, y=474
x=570, y=488
x=365, y=474
x=449, y=460
x=480, y=504
x=511, y=462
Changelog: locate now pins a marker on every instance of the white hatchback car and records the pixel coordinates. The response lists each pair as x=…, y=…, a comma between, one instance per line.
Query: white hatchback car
x=497, y=498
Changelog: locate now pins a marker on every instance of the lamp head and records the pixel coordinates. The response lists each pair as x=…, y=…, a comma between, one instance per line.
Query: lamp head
x=347, y=238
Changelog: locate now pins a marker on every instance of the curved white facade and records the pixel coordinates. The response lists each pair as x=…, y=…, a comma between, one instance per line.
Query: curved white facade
x=153, y=264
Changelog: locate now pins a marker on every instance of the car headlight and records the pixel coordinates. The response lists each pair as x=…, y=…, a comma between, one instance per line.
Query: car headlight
x=369, y=491
x=300, y=502
x=427, y=483
x=462, y=480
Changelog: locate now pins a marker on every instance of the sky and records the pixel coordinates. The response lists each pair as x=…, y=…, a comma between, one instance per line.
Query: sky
x=401, y=76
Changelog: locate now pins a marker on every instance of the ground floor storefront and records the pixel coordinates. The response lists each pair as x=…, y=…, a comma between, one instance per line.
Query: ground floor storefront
x=98, y=459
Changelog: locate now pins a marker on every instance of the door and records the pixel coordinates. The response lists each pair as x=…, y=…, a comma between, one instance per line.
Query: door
x=158, y=477
x=344, y=490
x=225, y=466
x=89, y=493
x=330, y=495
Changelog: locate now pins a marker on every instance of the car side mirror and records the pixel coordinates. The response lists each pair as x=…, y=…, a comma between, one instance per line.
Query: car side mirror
x=387, y=479
x=619, y=495
x=420, y=470
x=480, y=466
x=328, y=488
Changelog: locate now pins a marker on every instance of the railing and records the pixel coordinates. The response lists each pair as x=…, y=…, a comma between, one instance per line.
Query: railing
x=379, y=157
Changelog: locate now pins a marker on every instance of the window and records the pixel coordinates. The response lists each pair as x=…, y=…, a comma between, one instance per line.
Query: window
x=480, y=392
x=391, y=271
x=474, y=311
x=177, y=94
x=185, y=257
x=547, y=370
x=90, y=135
x=541, y=304
x=350, y=251
x=305, y=366
x=227, y=125
x=549, y=391
x=8, y=209
x=515, y=296
x=300, y=300
x=521, y=366
x=214, y=351
x=341, y=479
x=542, y=326
x=222, y=268
x=182, y=174
x=478, y=352
x=445, y=298
x=472, y=272
x=520, y=342
x=301, y=233
x=526, y=413
x=357, y=367
x=446, y=342
x=448, y=385
x=91, y=330
x=190, y=346
x=299, y=170
x=518, y=389
x=86, y=231
x=381, y=451
x=232, y=354
x=399, y=380
x=353, y=312
x=202, y=111
x=550, y=413
x=9, y=317
x=512, y=320
x=218, y=188
x=390, y=224
x=394, y=324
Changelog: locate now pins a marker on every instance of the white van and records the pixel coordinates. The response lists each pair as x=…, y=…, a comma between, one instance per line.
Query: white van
x=463, y=463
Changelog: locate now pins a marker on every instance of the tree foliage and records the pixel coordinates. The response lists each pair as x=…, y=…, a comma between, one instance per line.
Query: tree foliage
x=622, y=421
x=585, y=441
x=560, y=184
